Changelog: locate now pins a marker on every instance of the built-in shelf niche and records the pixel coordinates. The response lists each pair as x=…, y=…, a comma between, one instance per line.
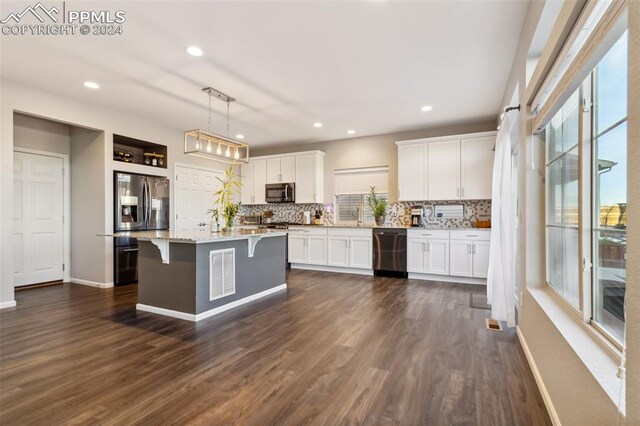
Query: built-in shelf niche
x=130, y=150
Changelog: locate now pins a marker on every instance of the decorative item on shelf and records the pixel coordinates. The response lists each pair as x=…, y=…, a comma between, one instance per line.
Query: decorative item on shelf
x=378, y=206
x=230, y=185
x=123, y=155
x=208, y=145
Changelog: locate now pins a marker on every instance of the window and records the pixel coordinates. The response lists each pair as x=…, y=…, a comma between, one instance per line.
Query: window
x=352, y=187
x=609, y=178
x=590, y=129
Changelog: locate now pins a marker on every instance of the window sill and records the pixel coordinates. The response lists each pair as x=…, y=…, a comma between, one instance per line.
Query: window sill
x=597, y=354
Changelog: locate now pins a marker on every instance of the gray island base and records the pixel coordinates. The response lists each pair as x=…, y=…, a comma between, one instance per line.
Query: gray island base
x=194, y=276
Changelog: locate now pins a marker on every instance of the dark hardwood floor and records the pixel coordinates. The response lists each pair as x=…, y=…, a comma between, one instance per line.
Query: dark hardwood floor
x=333, y=349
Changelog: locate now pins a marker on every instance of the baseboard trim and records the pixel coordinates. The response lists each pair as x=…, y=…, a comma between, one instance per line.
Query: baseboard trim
x=9, y=304
x=447, y=278
x=536, y=374
x=338, y=269
x=91, y=283
x=211, y=312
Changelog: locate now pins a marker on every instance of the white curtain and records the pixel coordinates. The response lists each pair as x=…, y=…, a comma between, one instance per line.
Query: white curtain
x=501, y=279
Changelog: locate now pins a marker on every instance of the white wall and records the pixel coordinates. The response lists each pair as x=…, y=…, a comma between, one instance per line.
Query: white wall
x=576, y=395
x=42, y=135
x=19, y=98
x=366, y=151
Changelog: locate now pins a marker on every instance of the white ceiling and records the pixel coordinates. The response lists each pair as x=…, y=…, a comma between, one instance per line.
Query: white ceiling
x=366, y=65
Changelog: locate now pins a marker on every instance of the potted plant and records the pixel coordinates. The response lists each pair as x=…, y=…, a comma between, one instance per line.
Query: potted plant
x=230, y=185
x=215, y=223
x=378, y=206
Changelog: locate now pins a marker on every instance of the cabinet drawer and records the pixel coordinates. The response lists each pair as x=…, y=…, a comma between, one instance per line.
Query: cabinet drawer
x=350, y=232
x=308, y=230
x=427, y=233
x=471, y=234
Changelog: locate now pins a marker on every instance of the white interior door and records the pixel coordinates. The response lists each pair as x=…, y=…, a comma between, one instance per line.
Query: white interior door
x=38, y=236
x=194, y=189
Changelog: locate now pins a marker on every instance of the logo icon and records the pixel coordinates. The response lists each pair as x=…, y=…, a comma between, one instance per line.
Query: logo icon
x=36, y=11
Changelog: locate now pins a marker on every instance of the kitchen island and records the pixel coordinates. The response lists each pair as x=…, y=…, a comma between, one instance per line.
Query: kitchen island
x=195, y=275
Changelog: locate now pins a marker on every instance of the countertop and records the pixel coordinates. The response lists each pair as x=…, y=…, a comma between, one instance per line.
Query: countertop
x=201, y=236
x=430, y=228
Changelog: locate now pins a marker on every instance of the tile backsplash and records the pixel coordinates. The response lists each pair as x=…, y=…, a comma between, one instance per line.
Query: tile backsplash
x=397, y=214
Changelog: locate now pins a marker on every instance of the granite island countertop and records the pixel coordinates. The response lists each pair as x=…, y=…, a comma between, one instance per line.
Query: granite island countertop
x=200, y=236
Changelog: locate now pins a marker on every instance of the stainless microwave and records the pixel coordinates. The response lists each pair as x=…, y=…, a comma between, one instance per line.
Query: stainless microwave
x=280, y=192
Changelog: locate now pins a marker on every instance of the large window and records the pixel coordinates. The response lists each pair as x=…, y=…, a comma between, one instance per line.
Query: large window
x=351, y=189
x=586, y=153
x=610, y=189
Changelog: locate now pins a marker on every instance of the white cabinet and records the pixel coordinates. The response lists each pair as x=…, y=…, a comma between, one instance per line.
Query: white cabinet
x=443, y=170
x=476, y=163
x=253, y=177
x=281, y=169
x=470, y=253
x=412, y=179
x=309, y=176
x=336, y=247
x=338, y=254
x=428, y=252
x=446, y=168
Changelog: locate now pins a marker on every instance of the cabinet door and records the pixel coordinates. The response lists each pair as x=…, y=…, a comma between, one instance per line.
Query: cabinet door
x=360, y=252
x=259, y=181
x=273, y=170
x=288, y=169
x=461, y=259
x=298, y=249
x=338, y=251
x=411, y=172
x=317, y=249
x=438, y=256
x=305, y=172
x=416, y=255
x=246, y=177
x=480, y=259
x=443, y=170
x=476, y=159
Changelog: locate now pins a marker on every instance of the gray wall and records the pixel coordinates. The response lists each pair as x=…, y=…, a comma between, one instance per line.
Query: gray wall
x=40, y=134
x=89, y=255
x=366, y=151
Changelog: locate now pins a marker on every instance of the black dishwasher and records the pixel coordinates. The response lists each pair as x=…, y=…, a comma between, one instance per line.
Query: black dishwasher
x=390, y=252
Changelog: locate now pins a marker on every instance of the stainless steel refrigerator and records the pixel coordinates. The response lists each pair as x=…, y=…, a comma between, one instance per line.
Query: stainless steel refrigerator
x=141, y=204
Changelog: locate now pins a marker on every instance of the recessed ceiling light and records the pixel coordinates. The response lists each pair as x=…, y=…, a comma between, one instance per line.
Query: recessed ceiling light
x=350, y=132
x=91, y=85
x=194, y=51
x=239, y=136
x=317, y=125
x=426, y=108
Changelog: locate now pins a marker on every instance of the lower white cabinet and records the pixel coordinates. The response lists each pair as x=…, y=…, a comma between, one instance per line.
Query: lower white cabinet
x=336, y=247
x=428, y=252
x=470, y=253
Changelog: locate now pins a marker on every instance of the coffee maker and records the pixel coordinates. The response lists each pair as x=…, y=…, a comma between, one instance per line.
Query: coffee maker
x=417, y=214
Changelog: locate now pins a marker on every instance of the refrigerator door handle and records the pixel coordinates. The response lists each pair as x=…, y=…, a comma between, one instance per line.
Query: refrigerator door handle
x=146, y=203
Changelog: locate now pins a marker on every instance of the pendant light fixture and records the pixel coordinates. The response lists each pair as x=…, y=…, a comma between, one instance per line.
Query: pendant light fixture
x=200, y=143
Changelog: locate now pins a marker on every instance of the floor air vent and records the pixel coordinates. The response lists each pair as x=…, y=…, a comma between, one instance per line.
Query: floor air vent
x=493, y=325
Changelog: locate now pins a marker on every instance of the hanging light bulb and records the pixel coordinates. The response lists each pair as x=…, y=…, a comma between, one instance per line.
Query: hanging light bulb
x=227, y=153
x=236, y=155
x=209, y=146
x=219, y=149
x=198, y=143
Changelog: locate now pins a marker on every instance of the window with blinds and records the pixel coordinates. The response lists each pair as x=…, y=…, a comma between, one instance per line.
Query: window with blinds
x=351, y=189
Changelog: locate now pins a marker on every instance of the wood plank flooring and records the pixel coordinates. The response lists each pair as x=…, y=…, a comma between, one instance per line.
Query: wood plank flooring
x=332, y=349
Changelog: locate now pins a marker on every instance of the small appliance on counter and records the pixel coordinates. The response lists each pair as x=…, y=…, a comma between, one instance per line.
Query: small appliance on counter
x=253, y=220
x=417, y=216
x=306, y=218
x=317, y=219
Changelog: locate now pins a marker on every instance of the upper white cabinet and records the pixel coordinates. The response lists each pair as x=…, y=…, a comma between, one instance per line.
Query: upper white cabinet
x=446, y=168
x=254, y=177
x=412, y=180
x=309, y=177
x=477, y=167
x=305, y=169
x=281, y=169
x=443, y=170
